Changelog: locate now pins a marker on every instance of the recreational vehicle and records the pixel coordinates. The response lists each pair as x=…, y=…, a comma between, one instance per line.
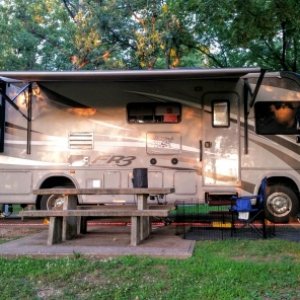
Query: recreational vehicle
x=206, y=132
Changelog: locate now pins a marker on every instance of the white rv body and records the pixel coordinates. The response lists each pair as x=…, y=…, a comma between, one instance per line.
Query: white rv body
x=90, y=129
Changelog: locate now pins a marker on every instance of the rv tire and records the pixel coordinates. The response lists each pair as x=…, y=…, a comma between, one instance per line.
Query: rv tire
x=281, y=203
x=49, y=202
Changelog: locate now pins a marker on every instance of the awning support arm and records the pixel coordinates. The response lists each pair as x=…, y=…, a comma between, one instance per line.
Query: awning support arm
x=23, y=89
x=246, y=113
x=258, y=84
x=11, y=101
x=13, y=104
x=253, y=95
x=29, y=118
x=2, y=117
x=29, y=110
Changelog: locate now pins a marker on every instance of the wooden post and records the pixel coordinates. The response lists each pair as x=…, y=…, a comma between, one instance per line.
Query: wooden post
x=55, y=231
x=82, y=225
x=145, y=221
x=69, y=226
x=135, y=235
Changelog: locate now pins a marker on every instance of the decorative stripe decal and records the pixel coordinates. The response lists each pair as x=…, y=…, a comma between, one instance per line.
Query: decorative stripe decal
x=288, y=144
x=60, y=142
x=248, y=186
x=14, y=126
x=292, y=162
x=9, y=160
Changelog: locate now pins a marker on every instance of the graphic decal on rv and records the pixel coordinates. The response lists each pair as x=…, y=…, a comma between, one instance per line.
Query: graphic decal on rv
x=9, y=126
x=287, y=144
x=10, y=160
x=247, y=186
x=103, y=159
x=290, y=161
x=163, y=143
x=118, y=160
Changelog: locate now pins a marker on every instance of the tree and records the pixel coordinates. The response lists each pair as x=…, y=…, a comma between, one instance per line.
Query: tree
x=147, y=34
x=141, y=34
x=33, y=35
x=245, y=33
x=94, y=34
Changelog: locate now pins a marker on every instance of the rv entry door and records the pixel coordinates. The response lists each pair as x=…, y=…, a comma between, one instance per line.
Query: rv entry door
x=220, y=144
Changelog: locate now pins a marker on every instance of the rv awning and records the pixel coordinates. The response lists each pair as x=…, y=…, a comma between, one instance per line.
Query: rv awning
x=44, y=76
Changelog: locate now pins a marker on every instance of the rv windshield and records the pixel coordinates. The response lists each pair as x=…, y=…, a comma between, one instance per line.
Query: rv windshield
x=277, y=117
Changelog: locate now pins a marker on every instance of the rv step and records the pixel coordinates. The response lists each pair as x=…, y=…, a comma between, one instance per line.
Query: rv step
x=219, y=198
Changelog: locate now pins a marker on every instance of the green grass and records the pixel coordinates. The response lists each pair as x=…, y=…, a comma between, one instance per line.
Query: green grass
x=228, y=269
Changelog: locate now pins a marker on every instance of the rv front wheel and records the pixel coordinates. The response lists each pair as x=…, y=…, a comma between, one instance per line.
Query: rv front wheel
x=281, y=203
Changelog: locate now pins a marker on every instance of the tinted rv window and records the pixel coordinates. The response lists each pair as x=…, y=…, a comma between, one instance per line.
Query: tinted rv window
x=153, y=112
x=220, y=113
x=277, y=117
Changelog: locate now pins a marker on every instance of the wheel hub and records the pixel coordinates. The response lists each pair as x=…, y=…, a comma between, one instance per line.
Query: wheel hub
x=55, y=202
x=279, y=204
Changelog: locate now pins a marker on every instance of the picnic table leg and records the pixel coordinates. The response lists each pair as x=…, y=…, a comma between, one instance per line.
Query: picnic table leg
x=55, y=231
x=135, y=235
x=81, y=225
x=145, y=228
x=69, y=228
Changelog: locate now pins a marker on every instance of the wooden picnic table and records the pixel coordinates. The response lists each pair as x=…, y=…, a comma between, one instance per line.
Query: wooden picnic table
x=141, y=193
x=67, y=223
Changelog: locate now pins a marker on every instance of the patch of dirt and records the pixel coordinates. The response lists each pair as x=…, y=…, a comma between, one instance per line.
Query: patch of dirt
x=48, y=292
x=12, y=229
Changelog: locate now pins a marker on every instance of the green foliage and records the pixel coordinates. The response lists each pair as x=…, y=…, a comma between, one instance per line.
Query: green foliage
x=34, y=34
x=243, y=33
x=139, y=34
x=228, y=269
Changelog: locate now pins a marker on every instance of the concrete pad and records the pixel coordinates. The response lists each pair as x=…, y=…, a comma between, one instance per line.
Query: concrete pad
x=103, y=241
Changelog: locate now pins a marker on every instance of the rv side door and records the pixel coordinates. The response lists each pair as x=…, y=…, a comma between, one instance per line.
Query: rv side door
x=220, y=145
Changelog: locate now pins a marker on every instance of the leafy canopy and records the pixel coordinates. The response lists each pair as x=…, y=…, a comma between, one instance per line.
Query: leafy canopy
x=147, y=34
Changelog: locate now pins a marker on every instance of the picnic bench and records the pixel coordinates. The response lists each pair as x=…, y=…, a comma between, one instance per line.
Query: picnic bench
x=67, y=223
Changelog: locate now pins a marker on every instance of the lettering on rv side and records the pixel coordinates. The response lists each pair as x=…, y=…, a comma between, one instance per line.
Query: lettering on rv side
x=118, y=160
x=162, y=142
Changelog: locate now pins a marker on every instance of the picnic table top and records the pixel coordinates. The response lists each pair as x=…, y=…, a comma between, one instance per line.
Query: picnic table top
x=121, y=212
x=104, y=191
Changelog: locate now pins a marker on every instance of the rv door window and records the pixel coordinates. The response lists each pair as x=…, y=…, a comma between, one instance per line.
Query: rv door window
x=277, y=117
x=220, y=113
x=153, y=112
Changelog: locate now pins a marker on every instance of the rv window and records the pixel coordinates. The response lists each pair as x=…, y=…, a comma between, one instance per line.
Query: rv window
x=277, y=117
x=153, y=112
x=220, y=113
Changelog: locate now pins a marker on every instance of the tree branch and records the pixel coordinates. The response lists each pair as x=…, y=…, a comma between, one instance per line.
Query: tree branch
x=71, y=14
x=295, y=46
x=284, y=44
x=212, y=57
x=276, y=55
